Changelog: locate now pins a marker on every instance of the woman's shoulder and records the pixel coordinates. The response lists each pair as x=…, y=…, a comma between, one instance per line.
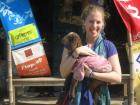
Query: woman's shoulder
x=109, y=44
x=110, y=48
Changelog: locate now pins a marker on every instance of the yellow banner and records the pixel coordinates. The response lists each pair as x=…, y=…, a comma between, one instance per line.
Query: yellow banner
x=23, y=34
x=136, y=48
x=135, y=55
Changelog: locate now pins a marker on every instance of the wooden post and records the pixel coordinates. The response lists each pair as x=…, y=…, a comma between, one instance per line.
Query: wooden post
x=131, y=64
x=9, y=59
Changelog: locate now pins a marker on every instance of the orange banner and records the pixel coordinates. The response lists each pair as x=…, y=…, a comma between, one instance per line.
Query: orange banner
x=31, y=61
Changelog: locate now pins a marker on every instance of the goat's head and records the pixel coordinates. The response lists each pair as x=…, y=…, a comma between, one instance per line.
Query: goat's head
x=71, y=41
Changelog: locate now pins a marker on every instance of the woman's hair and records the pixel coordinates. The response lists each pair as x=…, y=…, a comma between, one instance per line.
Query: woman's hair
x=71, y=41
x=91, y=8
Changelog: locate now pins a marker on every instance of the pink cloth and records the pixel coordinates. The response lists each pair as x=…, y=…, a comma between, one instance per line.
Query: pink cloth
x=95, y=62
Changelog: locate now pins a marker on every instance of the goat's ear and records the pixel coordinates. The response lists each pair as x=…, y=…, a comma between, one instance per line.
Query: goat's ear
x=79, y=43
x=64, y=40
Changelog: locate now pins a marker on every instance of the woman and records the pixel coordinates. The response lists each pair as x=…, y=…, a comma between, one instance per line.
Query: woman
x=93, y=17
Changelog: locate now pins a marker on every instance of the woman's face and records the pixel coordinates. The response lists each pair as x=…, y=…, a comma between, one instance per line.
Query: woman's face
x=94, y=24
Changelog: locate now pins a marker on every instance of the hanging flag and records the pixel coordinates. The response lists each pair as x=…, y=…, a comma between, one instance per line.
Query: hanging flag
x=19, y=23
x=129, y=10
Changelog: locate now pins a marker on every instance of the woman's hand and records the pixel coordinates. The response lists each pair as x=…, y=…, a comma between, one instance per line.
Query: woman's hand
x=88, y=71
x=84, y=50
x=113, y=77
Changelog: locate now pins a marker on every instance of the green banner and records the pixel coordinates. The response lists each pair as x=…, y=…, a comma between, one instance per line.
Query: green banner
x=23, y=34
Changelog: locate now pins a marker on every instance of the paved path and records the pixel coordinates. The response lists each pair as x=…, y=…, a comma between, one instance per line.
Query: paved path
x=113, y=102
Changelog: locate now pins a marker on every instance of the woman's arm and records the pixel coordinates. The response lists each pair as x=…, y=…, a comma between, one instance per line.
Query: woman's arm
x=113, y=76
x=66, y=63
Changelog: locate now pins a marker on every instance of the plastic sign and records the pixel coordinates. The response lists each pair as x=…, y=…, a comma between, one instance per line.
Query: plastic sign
x=129, y=10
x=31, y=61
x=17, y=17
x=23, y=34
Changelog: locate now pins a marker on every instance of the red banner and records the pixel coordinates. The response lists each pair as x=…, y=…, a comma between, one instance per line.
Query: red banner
x=129, y=10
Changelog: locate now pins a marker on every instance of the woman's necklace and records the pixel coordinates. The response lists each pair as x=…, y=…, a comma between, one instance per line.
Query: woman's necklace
x=90, y=45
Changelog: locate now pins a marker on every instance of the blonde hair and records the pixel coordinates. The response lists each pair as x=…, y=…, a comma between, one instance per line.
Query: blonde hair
x=91, y=8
